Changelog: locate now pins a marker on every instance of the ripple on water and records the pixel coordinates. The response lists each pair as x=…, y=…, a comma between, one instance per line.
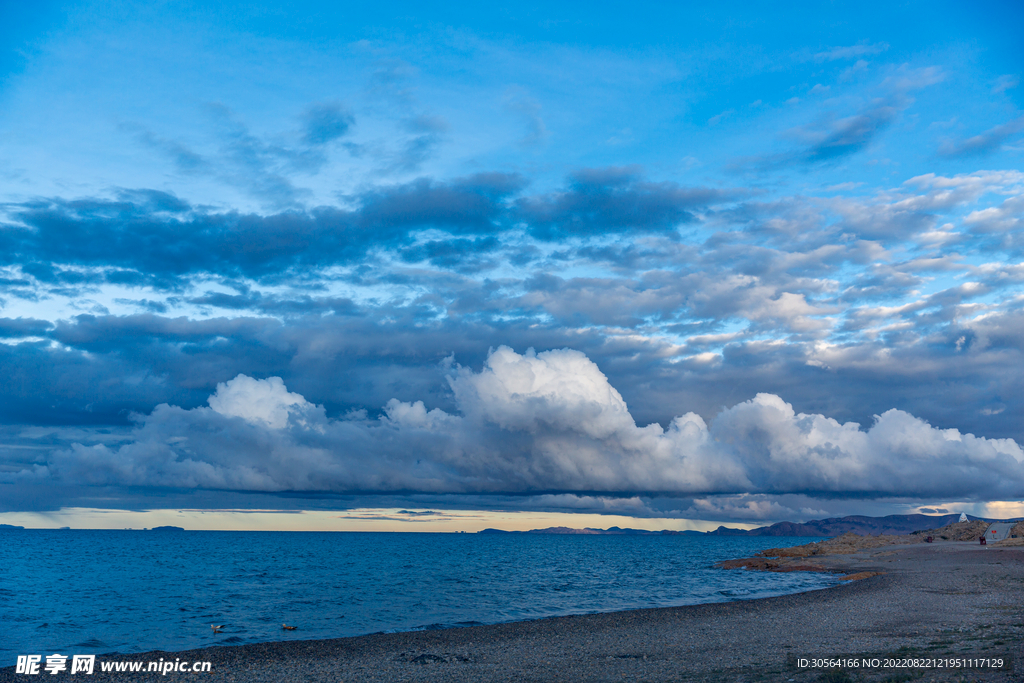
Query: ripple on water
x=91, y=644
x=105, y=584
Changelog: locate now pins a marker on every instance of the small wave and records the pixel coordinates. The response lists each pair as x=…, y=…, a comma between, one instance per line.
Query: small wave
x=441, y=626
x=92, y=643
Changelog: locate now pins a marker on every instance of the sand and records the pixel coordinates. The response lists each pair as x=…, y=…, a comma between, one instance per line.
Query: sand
x=924, y=600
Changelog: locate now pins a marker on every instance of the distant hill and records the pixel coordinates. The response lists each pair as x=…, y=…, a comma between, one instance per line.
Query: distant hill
x=858, y=524
x=834, y=526
x=10, y=526
x=611, y=531
x=167, y=528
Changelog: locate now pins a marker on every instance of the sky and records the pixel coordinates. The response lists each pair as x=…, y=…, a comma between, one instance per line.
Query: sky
x=443, y=266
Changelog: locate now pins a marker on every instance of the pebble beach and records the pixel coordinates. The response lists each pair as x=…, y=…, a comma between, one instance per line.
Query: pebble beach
x=924, y=601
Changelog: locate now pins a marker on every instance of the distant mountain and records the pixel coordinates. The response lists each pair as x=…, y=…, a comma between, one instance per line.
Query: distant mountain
x=834, y=526
x=858, y=524
x=167, y=528
x=10, y=526
x=611, y=531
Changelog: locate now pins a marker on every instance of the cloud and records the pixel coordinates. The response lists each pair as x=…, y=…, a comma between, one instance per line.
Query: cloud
x=538, y=424
x=837, y=138
x=850, y=52
x=528, y=109
x=838, y=303
x=264, y=166
x=831, y=138
x=456, y=254
x=466, y=205
x=427, y=133
x=23, y=327
x=265, y=402
x=145, y=237
x=1006, y=219
x=848, y=74
x=1004, y=83
x=718, y=118
x=185, y=159
x=393, y=80
x=156, y=241
x=986, y=143
x=904, y=80
x=614, y=200
x=325, y=122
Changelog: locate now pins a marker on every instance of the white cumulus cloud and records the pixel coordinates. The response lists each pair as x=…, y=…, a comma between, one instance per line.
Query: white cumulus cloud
x=263, y=401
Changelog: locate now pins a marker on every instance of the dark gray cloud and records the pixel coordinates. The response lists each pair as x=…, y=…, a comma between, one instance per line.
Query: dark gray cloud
x=146, y=234
x=23, y=327
x=837, y=138
x=614, y=200
x=986, y=143
x=290, y=305
x=829, y=139
x=473, y=205
x=426, y=135
x=186, y=160
x=325, y=122
x=156, y=242
x=455, y=254
x=833, y=137
x=153, y=201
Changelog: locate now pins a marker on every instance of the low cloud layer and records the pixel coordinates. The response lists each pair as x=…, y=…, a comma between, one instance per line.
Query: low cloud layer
x=545, y=423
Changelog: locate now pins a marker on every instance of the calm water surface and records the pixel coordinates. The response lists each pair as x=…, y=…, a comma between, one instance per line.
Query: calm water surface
x=84, y=592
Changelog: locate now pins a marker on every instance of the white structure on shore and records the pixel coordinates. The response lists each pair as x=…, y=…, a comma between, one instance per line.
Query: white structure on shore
x=963, y=517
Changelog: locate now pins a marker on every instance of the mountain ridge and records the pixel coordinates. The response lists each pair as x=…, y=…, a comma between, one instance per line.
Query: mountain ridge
x=610, y=531
x=862, y=525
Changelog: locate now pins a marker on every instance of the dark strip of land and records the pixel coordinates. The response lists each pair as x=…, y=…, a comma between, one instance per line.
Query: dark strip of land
x=930, y=600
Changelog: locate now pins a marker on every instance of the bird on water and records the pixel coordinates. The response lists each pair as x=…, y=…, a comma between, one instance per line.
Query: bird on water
x=286, y=627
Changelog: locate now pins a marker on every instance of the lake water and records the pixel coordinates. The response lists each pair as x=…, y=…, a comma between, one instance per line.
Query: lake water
x=83, y=592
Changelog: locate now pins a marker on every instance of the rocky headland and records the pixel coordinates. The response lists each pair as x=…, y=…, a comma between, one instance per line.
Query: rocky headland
x=820, y=556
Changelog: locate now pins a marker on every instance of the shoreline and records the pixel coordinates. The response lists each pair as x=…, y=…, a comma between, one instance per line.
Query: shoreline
x=942, y=599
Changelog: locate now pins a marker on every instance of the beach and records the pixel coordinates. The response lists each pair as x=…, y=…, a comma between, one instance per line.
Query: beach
x=928, y=601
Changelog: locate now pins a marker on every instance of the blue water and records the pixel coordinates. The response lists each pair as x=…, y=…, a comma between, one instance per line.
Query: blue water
x=132, y=591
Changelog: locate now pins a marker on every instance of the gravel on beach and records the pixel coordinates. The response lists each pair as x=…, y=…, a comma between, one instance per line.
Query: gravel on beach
x=930, y=601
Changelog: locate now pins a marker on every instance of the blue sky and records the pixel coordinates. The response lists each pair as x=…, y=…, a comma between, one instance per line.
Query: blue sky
x=735, y=264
